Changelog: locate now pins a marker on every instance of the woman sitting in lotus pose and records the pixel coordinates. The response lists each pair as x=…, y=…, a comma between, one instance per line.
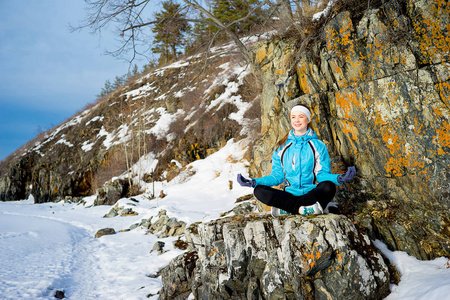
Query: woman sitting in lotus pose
x=302, y=162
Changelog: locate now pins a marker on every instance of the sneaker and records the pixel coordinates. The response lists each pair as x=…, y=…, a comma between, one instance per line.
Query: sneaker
x=276, y=212
x=315, y=209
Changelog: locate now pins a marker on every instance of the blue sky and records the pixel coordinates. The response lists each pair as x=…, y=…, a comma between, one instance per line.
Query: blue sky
x=47, y=72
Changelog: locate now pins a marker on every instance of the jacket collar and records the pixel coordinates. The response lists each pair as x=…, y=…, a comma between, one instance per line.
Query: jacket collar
x=309, y=135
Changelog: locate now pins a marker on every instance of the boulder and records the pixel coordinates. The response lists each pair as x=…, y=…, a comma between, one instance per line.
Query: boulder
x=112, y=213
x=111, y=191
x=60, y=295
x=177, y=277
x=159, y=247
x=105, y=231
x=120, y=211
x=260, y=257
x=166, y=226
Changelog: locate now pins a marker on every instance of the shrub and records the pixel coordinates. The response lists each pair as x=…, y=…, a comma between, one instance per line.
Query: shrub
x=114, y=164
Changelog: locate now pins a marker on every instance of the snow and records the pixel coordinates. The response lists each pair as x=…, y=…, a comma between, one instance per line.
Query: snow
x=427, y=280
x=139, y=92
x=72, y=122
x=87, y=146
x=51, y=246
x=162, y=126
x=325, y=12
x=95, y=119
x=230, y=95
x=64, y=142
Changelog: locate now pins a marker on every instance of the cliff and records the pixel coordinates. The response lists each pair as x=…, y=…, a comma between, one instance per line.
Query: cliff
x=378, y=86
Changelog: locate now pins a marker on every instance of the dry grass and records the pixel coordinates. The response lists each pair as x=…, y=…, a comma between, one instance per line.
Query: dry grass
x=309, y=33
x=113, y=165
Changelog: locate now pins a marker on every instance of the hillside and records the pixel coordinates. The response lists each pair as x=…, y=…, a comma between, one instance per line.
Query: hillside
x=173, y=115
x=377, y=80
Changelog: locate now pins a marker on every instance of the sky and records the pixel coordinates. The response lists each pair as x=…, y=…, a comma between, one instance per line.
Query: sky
x=47, y=72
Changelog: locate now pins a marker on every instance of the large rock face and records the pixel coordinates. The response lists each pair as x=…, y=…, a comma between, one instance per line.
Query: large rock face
x=278, y=258
x=379, y=89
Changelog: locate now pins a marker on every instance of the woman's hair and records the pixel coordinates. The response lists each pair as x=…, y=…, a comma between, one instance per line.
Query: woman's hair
x=283, y=140
x=285, y=137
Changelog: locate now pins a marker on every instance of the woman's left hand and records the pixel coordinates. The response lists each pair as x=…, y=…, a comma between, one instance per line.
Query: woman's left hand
x=351, y=172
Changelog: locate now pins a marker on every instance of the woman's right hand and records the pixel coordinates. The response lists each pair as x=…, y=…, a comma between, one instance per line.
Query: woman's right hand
x=245, y=182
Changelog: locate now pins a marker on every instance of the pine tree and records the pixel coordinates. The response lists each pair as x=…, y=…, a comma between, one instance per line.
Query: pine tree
x=169, y=31
x=229, y=11
x=119, y=81
x=200, y=35
x=105, y=90
x=135, y=71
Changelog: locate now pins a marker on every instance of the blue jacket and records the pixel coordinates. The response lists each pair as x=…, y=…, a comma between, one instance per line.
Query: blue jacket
x=293, y=163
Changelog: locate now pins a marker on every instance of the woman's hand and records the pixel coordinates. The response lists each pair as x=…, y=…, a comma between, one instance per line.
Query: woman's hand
x=245, y=182
x=343, y=178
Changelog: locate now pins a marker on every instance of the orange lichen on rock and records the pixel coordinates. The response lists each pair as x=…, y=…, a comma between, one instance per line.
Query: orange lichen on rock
x=397, y=161
x=347, y=100
x=442, y=139
x=350, y=130
x=340, y=40
x=303, y=78
x=433, y=38
x=310, y=259
x=444, y=92
x=261, y=53
x=404, y=155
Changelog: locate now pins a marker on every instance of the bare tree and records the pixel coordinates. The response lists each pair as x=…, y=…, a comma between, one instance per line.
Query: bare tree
x=133, y=16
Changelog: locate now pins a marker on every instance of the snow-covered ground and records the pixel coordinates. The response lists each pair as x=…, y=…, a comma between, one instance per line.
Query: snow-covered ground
x=49, y=247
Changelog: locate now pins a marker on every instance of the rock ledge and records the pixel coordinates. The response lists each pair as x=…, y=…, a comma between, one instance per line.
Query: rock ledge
x=260, y=257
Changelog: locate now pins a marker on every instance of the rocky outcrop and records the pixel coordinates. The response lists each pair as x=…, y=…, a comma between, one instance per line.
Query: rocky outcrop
x=112, y=191
x=177, y=277
x=165, y=226
x=120, y=211
x=379, y=89
x=260, y=257
x=51, y=167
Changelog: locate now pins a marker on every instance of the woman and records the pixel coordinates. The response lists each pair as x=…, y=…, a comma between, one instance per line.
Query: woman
x=302, y=162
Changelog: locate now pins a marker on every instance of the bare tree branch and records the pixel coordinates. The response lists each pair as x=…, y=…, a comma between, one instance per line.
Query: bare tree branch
x=245, y=52
x=167, y=19
x=129, y=16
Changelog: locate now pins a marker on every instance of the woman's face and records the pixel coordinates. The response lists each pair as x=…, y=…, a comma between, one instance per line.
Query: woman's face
x=299, y=121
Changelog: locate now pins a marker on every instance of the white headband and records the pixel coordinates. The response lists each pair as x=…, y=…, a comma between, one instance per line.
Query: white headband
x=302, y=109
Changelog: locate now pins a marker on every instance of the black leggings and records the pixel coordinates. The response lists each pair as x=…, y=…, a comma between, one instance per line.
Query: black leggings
x=322, y=193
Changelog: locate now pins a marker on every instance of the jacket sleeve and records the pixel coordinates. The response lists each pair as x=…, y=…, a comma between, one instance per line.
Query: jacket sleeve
x=276, y=177
x=324, y=168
